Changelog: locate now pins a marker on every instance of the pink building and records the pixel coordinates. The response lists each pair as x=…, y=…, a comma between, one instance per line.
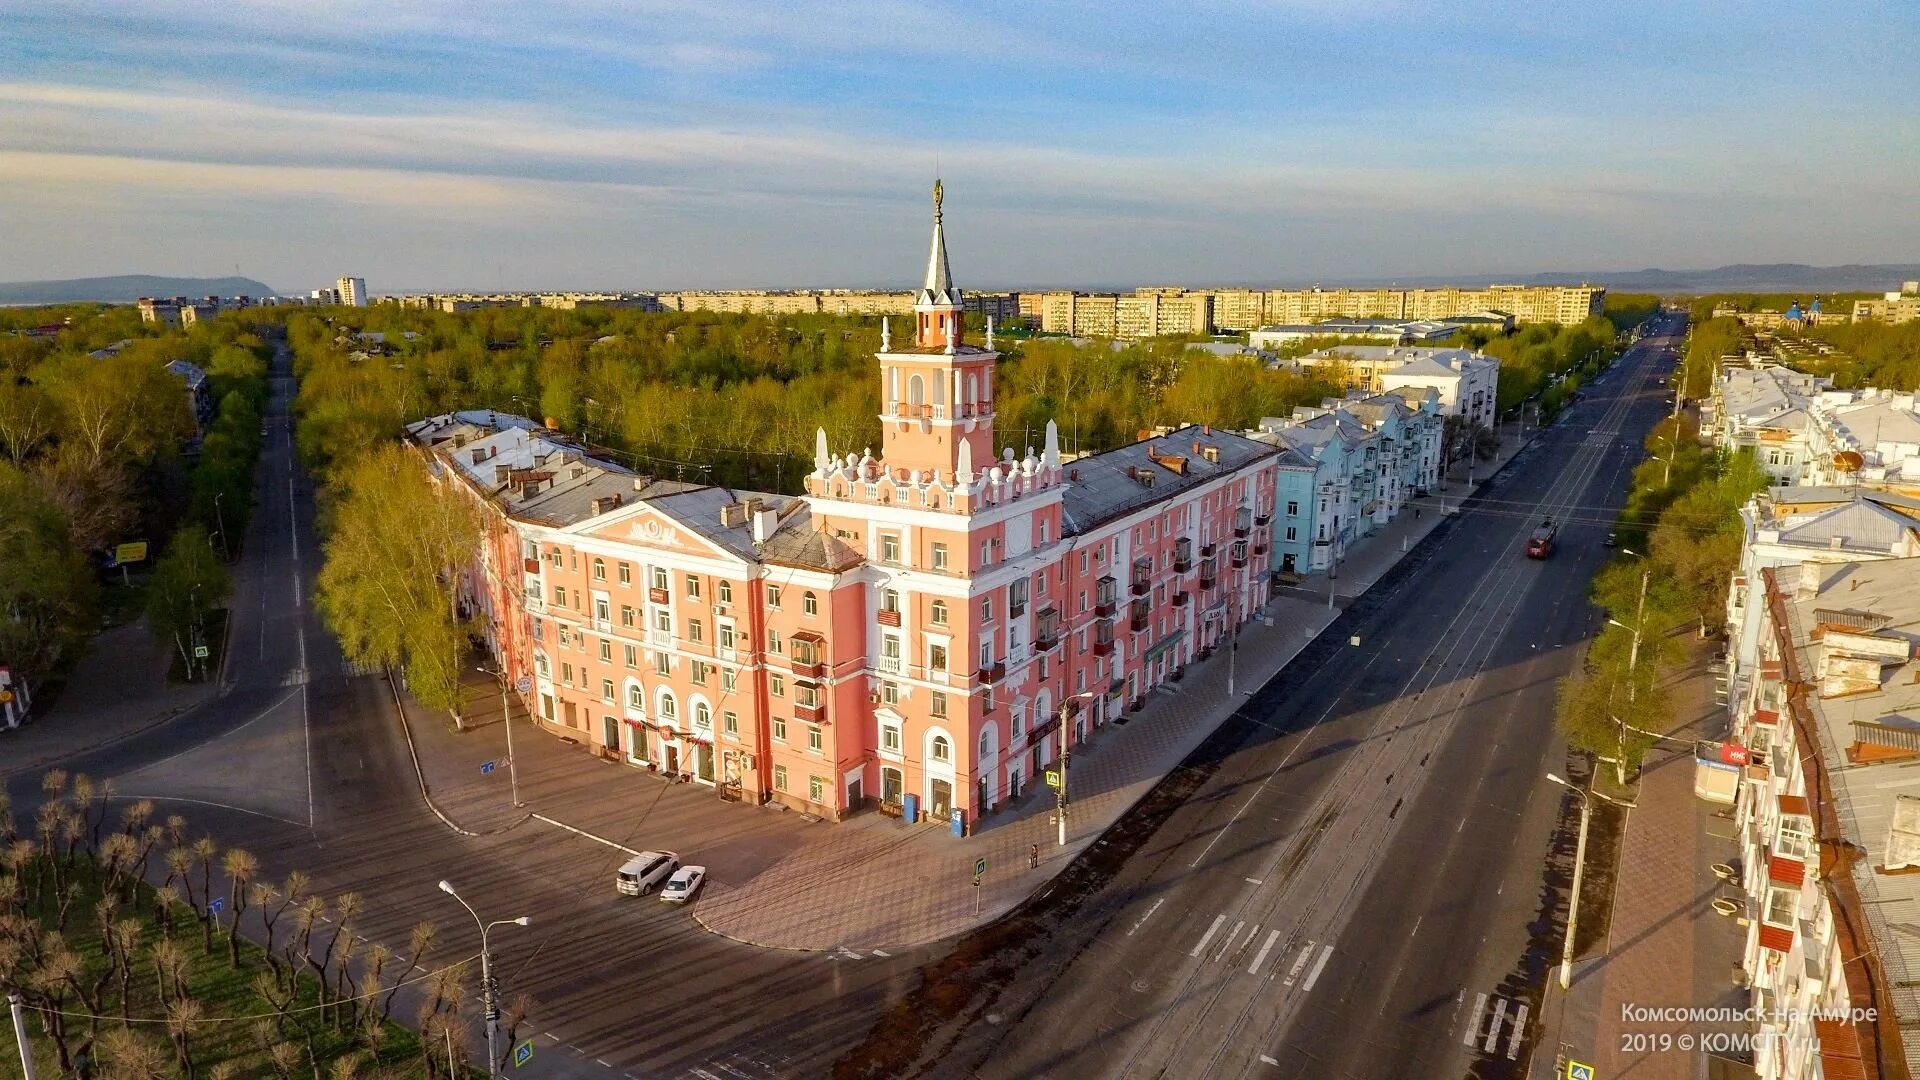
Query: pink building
x=909, y=634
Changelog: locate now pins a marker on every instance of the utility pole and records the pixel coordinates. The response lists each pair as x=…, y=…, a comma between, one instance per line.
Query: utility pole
x=1633, y=661
x=1579, y=863
x=506, y=721
x=220, y=518
x=20, y=1034
x=1060, y=793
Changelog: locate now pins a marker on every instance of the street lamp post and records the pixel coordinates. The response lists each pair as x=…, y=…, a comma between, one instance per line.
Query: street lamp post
x=506, y=721
x=1060, y=793
x=20, y=1034
x=1579, y=863
x=220, y=519
x=1633, y=660
x=486, y=974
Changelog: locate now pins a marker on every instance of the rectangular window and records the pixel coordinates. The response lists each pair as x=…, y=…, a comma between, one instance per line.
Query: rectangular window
x=1796, y=836
x=726, y=636
x=780, y=728
x=773, y=641
x=660, y=578
x=1780, y=905
x=699, y=672
x=937, y=657
x=600, y=610
x=890, y=547
x=890, y=738
x=1017, y=598
x=777, y=685
x=633, y=657
x=814, y=739
x=606, y=651
x=724, y=592
x=816, y=789
x=606, y=689
x=626, y=573
x=693, y=587
x=730, y=722
x=696, y=631
x=779, y=778
x=773, y=597
x=938, y=703
x=663, y=620
x=626, y=614
x=890, y=693
x=559, y=596
x=662, y=663
x=566, y=674
x=938, y=612
x=1293, y=508
x=729, y=680
x=986, y=609
x=939, y=556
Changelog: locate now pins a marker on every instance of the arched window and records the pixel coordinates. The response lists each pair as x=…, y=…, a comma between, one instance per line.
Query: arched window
x=636, y=698
x=942, y=749
x=938, y=612
x=916, y=390
x=599, y=569
x=987, y=735
x=810, y=604
x=669, y=708
x=702, y=716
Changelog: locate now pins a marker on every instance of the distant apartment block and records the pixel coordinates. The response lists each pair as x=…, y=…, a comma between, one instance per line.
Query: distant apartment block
x=352, y=290
x=1467, y=382
x=1391, y=331
x=1091, y=315
x=1152, y=312
x=565, y=301
x=1893, y=307
x=798, y=302
x=185, y=311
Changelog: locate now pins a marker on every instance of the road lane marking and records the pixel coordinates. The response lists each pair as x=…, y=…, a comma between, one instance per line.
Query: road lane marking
x=1256, y=881
x=1267, y=1059
x=1473, y=1027
x=1261, y=958
x=1314, y=975
x=1519, y=1029
x=1148, y=915
x=1493, y=1029
x=1211, y=930
x=1298, y=962
x=1228, y=944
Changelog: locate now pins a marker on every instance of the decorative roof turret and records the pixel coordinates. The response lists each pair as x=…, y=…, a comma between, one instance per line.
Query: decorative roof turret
x=938, y=290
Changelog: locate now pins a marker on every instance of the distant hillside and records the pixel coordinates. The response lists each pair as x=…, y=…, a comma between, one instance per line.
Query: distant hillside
x=1748, y=277
x=126, y=288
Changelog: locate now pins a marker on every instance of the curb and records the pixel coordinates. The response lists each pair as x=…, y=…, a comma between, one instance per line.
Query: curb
x=426, y=795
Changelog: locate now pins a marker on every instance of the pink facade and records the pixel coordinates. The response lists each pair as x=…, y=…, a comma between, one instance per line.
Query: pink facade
x=909, y=634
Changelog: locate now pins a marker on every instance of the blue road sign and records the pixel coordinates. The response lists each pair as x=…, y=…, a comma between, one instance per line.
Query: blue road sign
x=523, y=684
x=523, y=1053
x=1580, y=1070
x=980, y=867
x=486, y=767
x=216, y=905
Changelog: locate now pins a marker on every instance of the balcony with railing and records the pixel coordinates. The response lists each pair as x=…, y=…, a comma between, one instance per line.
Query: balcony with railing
x=533, y=603
x=1106, y=597
x=1242, y=522
x=890, y=664
x=992, y=673
x=811, y=714
x=657, y=636
x=1183, y=555
x=1209, y=574
x=1182, y=599
x=1142, y=576
x=809, y=654
x=1103, y=638
x=1047, y=629
x=1142, y=615
x=1239, y=553
x=889, y=617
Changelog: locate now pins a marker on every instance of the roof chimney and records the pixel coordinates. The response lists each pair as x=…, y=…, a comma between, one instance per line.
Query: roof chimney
x=1808, y=585
x=764, y=522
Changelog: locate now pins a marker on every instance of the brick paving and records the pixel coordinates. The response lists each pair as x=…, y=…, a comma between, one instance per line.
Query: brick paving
x=768, y=867
x=1666, y=946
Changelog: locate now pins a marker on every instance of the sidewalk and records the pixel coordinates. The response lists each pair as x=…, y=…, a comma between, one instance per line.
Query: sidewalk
x=768, y=868
x=119, y=689
x=1666, y=946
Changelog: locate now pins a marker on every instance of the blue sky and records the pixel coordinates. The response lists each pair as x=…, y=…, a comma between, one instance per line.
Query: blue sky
x=664, y=144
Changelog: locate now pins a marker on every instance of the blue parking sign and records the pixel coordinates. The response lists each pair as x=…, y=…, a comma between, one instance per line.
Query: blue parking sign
x=486, y=767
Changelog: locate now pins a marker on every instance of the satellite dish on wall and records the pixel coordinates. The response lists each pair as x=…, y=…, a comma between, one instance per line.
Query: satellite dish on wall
x=1849, y=461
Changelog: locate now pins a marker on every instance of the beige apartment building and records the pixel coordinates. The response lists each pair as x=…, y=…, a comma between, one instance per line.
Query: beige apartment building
x=1893, y=307
x=1150, y=312
x=1250, y=309
x=800, y=302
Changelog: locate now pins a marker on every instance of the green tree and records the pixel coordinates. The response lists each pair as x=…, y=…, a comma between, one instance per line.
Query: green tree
x=47, y=592
x=188, y=583
x=397, y=543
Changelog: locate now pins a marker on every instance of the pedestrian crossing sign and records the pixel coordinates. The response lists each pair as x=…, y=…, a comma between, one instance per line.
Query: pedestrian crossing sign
x=1580, y=1070
x=523, y=1053
x=1053, y=778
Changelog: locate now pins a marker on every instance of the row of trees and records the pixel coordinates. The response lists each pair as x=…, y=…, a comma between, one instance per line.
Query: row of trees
x=110, y=969
x=1681, y=536
x=1532, y=357
x=1870, y=354
x=92, y=428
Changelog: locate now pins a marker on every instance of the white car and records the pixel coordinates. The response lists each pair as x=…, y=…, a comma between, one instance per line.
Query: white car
x=683, y=884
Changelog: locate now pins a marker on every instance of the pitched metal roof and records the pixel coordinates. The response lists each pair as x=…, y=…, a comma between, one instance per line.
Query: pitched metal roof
x=1107, y=486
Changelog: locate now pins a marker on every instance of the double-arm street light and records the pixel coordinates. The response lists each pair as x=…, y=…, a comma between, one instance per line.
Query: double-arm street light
x=1579, y=862
x=1633, y=661
x=486, y=974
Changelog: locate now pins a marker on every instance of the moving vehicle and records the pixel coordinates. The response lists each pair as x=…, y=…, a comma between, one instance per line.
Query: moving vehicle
x=1540, y=541
x=641, y=874
x=1611, y=538
x=683, y=884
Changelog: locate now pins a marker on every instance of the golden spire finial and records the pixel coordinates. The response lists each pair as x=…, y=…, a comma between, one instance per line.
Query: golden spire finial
x=937, y=193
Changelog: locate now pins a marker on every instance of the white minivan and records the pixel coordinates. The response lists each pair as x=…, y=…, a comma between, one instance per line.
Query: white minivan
x=644, y=872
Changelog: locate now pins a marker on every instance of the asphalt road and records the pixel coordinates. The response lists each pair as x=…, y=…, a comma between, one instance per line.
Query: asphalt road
x=1362, y=874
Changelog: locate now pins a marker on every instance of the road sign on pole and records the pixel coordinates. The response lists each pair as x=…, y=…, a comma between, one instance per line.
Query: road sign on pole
x=1580, y=1070
x=1053, y=778
x=523, y=1053
x=216, y=905
x=200, y=652
x=522, y=684
x=980, y=867
x=486, y=767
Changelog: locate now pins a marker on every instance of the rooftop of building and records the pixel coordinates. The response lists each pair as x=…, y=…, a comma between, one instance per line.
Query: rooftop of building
x=1108, y=485
x=1855, y=632
x=1412, y=359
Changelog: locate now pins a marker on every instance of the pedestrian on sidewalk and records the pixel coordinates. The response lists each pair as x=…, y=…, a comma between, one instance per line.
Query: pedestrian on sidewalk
x=1033, y=857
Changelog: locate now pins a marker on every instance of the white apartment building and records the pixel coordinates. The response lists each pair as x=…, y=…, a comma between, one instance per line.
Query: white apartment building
x=1767, y=409
x=1468, y=382
x=352, y=291
x=1828, y=820
x=1868, y=436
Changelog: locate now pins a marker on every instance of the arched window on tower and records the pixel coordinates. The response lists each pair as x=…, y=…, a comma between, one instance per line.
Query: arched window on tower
x=916, y=390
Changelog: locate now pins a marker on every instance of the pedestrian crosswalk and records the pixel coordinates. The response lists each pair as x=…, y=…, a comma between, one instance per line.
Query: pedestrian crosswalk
x=1496, y=1026
x=1242, y=944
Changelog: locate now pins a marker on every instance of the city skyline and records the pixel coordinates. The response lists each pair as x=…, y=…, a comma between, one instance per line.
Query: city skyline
x=781, y=146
